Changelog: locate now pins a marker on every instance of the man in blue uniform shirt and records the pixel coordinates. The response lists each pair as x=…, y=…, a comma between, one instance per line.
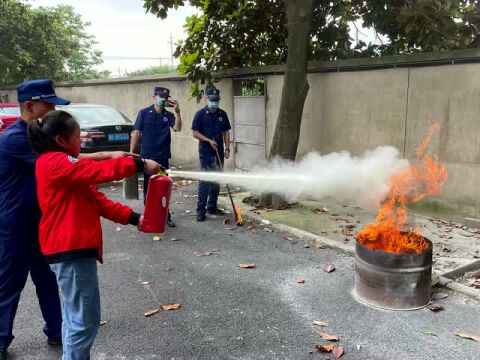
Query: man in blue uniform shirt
x=154, y=124
x=212, y=128
x=20, y=216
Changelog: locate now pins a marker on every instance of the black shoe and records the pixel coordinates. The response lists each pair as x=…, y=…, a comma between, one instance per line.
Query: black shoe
x=3, y=354
x=217, y=212
x=201, y=217
x=170, y=222
x=54, y=341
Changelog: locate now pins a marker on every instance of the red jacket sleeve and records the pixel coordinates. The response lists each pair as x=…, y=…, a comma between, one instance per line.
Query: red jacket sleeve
x=67, y=170
x=111, y=210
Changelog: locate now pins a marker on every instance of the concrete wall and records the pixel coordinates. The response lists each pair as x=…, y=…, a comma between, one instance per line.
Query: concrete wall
x=356, y=111
x=344, y=110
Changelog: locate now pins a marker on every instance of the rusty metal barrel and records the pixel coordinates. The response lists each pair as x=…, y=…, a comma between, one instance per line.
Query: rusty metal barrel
x=393, y=281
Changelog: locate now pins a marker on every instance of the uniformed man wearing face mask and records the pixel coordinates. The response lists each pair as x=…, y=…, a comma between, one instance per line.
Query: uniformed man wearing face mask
x=154, y=124
x=212, y=128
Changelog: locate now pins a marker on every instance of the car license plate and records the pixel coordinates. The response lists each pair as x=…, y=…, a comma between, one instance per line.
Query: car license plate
x=118, y=137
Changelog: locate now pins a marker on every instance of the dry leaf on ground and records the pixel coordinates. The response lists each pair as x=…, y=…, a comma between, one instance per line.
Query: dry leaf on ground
x=325, y=348
x=338, y=352
x=227, y=221
x=329, y=268
x=247, y=266
x=151, y=312
x=320, y=323
x=430, y=333
x=118, y=229
x=171, y=306
x=329, y=337
x=174, y=239
x=346, y=232
x=208, y=253
x=157, y=238
x=103, y=322
x=188, y=211
x=435, y=307
x=469, y=336
x=145, y=282
x=288, y=237
x=301, y=281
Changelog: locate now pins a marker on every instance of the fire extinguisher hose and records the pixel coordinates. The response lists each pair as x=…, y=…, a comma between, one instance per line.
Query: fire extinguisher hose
x=235, y=213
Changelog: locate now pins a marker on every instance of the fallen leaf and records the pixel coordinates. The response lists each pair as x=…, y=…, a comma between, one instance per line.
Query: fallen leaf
x=439, y=296
x=230, y=228
x=435, y=307
x=324, y=232
x=430, y=333
x=186, y=196
x=301, y=281
x=329, y=337
x=151, y=312
x=346, y=232
x=103, y=322
x=118, y=229
x=269, y=210
x=268, y=230
x=469, y=336
x=178, y=202
x=250, y=227
x=208, y=253
x=320, y=323
x=227, y=221
x=338, y=352
x=157, y=238
x=145, y=283
x=113, y=188
x=188, y=211
x=247, y=266
x=174, y=239
x=171, y=306
x=288, y=237
x=329, y=268
x=306, y=246
x=325, y=348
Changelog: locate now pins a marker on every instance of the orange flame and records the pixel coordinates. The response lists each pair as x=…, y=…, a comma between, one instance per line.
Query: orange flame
x=239, y=215
x=392, y=232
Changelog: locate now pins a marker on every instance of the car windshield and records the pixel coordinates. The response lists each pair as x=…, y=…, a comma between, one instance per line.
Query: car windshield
x=9, y=111
x=96, y=116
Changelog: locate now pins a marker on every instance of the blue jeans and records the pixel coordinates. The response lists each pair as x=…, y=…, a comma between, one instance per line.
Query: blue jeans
x=78, y=282
x=207, y=190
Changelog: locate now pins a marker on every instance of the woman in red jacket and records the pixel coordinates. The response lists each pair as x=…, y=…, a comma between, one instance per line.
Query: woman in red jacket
x=70, y=230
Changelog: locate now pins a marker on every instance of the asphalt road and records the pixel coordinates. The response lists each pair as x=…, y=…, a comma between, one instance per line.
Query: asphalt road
x=232, y=313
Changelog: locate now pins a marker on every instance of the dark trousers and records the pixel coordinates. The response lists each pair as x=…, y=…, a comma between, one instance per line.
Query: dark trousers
x=16, y=262
x=207, y=190
x=146, y=179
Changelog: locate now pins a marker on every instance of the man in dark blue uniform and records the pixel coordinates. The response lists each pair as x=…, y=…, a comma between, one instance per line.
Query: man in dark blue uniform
x=212, y=128
x=20, y=216
x=154, y=124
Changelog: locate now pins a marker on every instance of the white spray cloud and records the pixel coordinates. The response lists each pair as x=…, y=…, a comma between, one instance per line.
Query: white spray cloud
x=363, y=179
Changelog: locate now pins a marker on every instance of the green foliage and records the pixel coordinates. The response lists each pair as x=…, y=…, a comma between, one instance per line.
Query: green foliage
x=153, y=70
x=236, y=33
x=45, y=43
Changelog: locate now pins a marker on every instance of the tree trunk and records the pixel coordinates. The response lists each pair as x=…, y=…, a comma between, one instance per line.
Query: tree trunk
x=295, y=88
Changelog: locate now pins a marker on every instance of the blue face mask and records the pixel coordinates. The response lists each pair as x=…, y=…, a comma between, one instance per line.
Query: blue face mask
x=212, y=105
x=160, y=101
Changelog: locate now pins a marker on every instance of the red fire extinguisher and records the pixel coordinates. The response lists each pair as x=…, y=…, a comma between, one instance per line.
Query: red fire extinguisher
x=156, y=205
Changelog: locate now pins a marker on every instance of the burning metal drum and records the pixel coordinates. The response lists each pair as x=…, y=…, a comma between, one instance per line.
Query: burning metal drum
x=393, y=281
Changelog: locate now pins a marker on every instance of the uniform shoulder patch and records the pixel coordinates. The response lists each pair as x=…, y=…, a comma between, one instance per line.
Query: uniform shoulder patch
x=72, y=159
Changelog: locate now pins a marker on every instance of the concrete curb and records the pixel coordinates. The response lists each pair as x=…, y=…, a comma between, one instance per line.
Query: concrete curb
x=309, y=237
